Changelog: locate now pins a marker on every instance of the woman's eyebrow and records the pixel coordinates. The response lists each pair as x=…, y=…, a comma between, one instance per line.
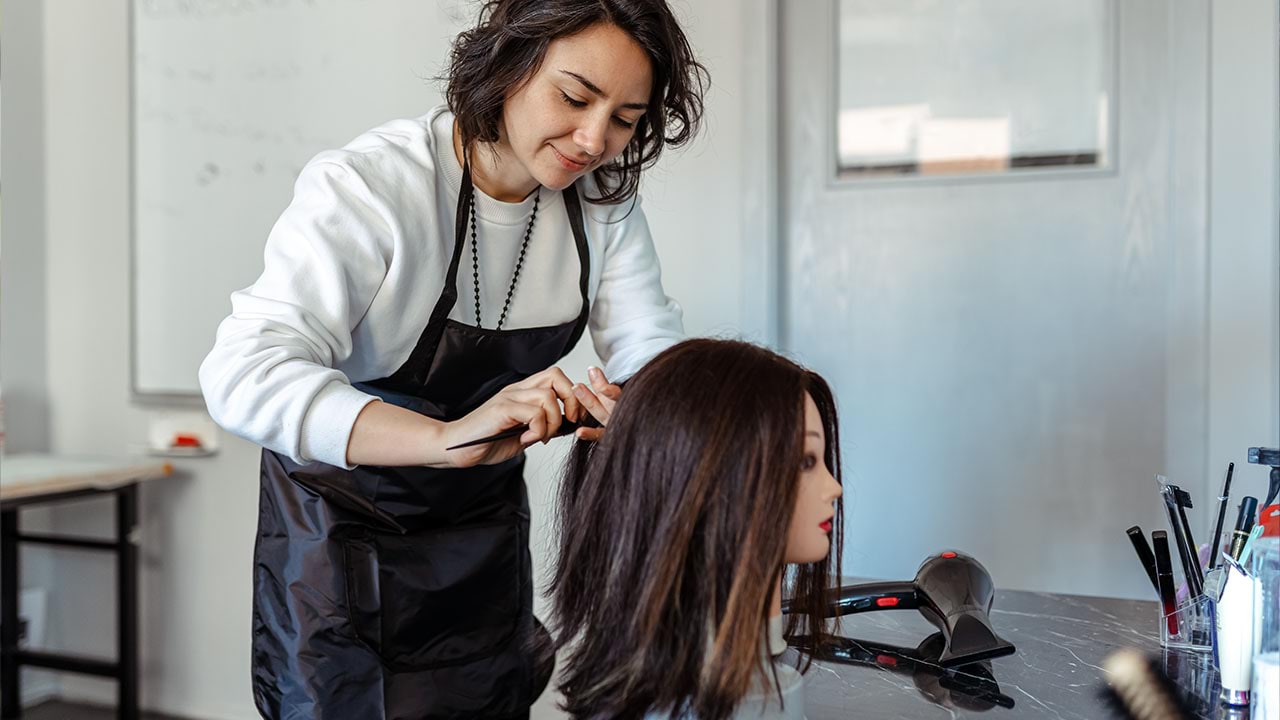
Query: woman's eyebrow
x=593, y=88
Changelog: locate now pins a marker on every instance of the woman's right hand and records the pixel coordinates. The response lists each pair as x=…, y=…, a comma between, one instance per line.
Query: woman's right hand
x=535, y=401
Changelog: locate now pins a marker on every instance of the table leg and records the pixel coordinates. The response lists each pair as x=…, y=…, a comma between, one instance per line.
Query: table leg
x=10, y=685
x=127, y=602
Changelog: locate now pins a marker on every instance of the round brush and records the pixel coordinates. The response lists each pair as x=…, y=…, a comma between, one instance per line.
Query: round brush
x=1139, y=690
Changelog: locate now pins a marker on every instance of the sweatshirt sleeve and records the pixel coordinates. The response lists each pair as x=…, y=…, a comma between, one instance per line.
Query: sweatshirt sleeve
x=632, y=319
x=271, y=375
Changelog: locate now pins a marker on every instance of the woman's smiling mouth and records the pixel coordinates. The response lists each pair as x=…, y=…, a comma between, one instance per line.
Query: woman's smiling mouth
x=569, y=163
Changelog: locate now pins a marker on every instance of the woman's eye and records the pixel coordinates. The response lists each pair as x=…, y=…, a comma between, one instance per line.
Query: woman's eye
x=570, y=101
x=809, y=462
x=624, y=123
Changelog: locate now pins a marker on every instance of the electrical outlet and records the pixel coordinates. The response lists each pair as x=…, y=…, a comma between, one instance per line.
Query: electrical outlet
x=23, y=626
x=37, y=685
x=31, y=614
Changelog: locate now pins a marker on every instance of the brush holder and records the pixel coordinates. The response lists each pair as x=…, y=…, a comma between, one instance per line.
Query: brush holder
x=1193, y=619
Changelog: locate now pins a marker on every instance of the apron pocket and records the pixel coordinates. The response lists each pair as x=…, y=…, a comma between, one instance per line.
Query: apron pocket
x=440, y=598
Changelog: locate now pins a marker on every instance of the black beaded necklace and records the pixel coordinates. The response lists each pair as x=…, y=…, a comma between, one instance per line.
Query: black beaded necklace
x=475, y=256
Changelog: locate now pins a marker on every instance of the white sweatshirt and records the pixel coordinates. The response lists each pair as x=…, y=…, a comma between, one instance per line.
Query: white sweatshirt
x=356, y=263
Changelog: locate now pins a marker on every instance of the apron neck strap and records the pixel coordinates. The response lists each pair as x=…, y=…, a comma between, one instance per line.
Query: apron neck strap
x=573, y=206
x=425, y=350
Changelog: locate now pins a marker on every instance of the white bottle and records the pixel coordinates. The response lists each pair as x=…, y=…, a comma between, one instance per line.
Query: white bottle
x=1233, y=642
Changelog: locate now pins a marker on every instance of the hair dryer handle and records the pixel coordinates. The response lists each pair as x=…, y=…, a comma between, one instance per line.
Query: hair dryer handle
x=863, y=598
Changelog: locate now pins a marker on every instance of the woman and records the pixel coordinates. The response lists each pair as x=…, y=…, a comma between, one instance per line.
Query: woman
x=392, y=575
x=676, y=527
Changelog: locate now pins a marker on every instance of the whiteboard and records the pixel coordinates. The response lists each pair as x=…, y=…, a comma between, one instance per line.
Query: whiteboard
x=230, y=98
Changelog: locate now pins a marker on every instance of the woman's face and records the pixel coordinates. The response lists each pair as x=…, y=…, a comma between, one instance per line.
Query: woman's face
x=579, y=109
x=808, y=538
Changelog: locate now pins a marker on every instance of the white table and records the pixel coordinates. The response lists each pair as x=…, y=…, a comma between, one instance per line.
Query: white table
x=39, y=479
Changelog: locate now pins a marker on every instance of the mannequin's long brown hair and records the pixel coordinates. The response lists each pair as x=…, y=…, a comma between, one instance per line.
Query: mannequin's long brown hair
x=672, y=532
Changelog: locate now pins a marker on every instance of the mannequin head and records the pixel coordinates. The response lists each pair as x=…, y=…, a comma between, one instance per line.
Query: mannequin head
x=717, y=471
x=812, y=520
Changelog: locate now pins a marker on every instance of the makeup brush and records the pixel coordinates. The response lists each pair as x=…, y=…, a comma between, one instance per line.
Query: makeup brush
x=1216, y=548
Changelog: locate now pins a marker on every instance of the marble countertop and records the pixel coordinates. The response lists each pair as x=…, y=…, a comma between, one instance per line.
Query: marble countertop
x=1056, y=673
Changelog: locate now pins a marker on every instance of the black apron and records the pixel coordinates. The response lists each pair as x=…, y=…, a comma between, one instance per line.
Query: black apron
x=407, y=592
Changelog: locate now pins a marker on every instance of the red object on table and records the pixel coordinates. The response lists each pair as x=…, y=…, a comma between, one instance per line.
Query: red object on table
x=1270, y=520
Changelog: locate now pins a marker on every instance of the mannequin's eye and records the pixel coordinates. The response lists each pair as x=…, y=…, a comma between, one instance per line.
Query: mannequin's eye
x=810, y=462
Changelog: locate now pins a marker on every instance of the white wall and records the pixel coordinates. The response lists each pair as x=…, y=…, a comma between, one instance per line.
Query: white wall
x=22, y=279
x=1244, y=238
x=198, y=527
x=22, y=258
x=1063, y=321
x=86, y=247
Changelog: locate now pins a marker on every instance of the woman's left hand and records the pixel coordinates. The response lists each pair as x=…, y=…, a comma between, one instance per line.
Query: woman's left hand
x=599, y=400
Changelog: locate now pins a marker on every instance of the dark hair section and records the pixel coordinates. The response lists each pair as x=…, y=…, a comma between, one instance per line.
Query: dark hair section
x=673, y=530
x=510, y=40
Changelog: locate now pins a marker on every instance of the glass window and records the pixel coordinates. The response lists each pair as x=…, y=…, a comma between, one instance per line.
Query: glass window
x=972, y=86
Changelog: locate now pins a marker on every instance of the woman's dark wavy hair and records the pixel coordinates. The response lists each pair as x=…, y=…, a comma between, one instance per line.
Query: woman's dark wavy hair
x=673, y=529
x=507, y=47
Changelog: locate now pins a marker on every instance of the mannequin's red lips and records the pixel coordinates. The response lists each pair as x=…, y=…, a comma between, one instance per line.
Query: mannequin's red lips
x=826, y=525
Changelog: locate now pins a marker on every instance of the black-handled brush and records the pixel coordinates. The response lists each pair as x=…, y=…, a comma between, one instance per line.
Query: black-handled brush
x=1216, y=548
x=1182, y=499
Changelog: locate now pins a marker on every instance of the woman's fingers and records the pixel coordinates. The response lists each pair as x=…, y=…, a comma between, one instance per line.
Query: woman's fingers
x=555, y=379
x=599, y=400
x=563, y=388
x=603, y=388
x=544, y=408
x=537, y=422
x=537, y=406
x=544, y=393
x=599, y=408
x=597, y=378
x=590, y=434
